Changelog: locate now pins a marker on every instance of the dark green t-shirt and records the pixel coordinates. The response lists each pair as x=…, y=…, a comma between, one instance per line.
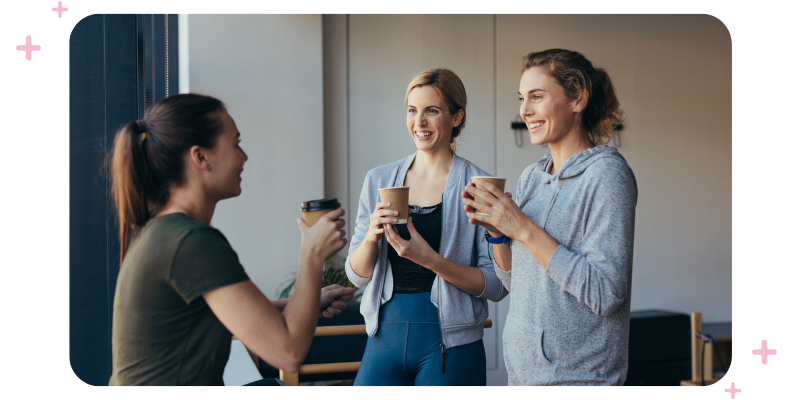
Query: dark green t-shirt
x=163, y=331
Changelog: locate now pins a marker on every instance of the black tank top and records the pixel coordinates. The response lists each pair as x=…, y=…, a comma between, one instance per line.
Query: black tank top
x=408, y=276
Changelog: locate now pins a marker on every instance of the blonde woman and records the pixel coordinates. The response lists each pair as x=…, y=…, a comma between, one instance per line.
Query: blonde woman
x=427, y=281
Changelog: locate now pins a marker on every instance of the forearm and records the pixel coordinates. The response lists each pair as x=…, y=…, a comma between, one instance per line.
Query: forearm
x=468, y=279
x=363, y=258
x=502, y=254
x=538, y=242
x=302, y=308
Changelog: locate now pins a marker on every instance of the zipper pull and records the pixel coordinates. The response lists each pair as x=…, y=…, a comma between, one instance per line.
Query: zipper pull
x=444, y=355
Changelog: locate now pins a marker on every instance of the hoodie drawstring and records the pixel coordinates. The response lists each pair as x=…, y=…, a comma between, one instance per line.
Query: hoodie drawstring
x=552, y=202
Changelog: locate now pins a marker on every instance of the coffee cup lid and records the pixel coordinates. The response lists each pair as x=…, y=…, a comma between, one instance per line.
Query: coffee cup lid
x=321, y=204
x=399, y=187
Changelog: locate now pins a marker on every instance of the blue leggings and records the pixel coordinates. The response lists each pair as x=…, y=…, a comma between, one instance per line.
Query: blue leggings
x=407, y=349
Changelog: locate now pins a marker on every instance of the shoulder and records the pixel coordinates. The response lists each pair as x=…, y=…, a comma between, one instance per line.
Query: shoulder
x=470, y=170
x=187, y=233
x=527, y=174
x=611, y=168
x=612, y=176
x=386, y=171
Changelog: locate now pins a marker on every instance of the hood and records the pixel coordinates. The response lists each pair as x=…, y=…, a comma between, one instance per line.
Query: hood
x=578, y=163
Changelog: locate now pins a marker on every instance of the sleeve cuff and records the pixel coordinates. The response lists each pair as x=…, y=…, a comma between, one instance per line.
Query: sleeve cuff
x=492, y=287
x=505, y=277
x=557, y=268
x=357, y=279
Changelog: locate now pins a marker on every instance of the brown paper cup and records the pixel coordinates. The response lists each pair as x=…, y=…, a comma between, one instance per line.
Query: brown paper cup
x=398, y=201
x=499, y=182
x=312, y=217
x=313, y=210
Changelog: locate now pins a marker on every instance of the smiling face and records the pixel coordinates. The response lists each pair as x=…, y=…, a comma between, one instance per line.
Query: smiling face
x=550, y=115
x=429, y=120
x=226, y=160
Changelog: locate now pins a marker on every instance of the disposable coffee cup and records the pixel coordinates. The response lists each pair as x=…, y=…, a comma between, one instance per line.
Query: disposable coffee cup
x=397, y=198
x=499, y=182
x=313, y=210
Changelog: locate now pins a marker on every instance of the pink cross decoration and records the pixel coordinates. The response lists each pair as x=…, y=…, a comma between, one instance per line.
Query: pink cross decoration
x=764, y=352
x=60, y=9
x=733, y=390
x=28, y=47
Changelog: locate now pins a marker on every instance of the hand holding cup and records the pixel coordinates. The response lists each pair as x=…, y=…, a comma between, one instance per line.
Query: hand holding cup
x=377, y=219
x=492, y=210
x=326, y=237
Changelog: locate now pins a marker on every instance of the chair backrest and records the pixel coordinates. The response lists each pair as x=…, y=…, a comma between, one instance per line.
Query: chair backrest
x=328, y=349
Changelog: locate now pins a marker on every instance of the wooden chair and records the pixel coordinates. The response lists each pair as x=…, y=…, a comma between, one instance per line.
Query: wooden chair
x=293, y=379
x=701, y=363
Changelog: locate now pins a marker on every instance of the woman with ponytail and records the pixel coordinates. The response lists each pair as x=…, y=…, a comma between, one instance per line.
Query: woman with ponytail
x=570, y=230
x=181, y=291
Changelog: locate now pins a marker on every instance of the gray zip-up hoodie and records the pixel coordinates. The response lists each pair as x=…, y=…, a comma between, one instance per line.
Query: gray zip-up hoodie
x=461, y=315
x=568, y=324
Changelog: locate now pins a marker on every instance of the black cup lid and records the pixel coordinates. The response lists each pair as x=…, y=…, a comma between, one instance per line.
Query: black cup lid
x=321, y=204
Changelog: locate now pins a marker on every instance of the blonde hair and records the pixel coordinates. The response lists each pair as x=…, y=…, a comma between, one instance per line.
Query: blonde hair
x=450, y=88
x=574, y=73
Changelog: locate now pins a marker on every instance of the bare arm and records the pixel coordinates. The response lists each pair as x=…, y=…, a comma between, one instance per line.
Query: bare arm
x=363, y=258
x=282, y=339
x=502, y=252
x=416, y=249
x=466, y=278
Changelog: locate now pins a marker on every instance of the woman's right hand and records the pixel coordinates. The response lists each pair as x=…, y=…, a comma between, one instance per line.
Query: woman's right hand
x=326, y=237
x=376, y=221
x=469, y=209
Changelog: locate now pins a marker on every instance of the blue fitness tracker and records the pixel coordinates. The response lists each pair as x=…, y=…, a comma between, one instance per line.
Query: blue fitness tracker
x=496, y=240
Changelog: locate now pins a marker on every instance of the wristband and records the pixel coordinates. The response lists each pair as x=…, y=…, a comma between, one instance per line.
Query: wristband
x=496, y=240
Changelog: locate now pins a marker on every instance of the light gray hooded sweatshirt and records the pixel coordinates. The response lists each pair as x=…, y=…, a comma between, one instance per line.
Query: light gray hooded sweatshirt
x=461, y=315
x=568, y=324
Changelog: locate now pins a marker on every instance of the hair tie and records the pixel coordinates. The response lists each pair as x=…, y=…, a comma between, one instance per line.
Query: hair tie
x=142, y=127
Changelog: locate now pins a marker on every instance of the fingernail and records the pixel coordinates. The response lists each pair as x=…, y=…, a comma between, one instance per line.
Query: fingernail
x=394, y=219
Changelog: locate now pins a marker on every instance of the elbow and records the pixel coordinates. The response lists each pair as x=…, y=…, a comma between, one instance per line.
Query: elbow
x=608, y=308
x=292, y=361
x=291, y=368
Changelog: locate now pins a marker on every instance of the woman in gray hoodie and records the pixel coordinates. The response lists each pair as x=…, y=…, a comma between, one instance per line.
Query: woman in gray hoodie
x=568, y=239
x=427, y=281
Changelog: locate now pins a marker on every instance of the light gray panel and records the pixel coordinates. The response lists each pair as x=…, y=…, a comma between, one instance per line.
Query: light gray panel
x=386, y=52
x=268, y=71
x=673, y=78
x=334, y=46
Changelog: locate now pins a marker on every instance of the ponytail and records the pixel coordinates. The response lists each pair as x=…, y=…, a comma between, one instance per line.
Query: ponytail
x=147, y=157
x=128, y=177
x=602, y=114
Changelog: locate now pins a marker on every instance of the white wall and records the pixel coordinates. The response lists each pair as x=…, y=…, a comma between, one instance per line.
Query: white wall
x=673, y=79
x=672, y=75
x=268, y=71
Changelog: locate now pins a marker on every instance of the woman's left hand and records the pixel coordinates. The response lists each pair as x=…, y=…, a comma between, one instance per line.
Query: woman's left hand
x=504, y=214
x=416, y=249
x=333, y=299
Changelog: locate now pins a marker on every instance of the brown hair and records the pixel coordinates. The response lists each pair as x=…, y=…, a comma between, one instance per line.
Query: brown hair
x=147, y=156
x=575, y=73
x=450, y=89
